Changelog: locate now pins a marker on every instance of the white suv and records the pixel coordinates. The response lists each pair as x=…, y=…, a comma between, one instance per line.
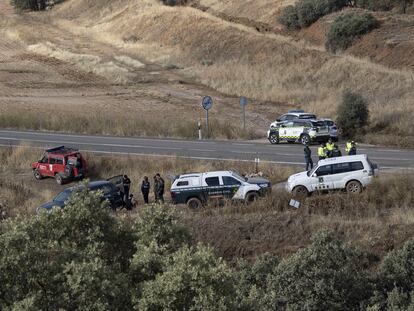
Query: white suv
x=352, y=173
x=196, y=189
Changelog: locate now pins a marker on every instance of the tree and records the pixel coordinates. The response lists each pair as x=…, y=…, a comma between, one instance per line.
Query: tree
x=69, y=259
x=326, y=275
x=352, y=113
x=192, y=279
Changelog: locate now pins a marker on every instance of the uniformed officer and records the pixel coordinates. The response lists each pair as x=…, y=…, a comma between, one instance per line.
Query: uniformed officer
x=322, y=152
x=145, y=189
x=350, y=147
x=330, y=146
x=126, y=183
x=159, y=185
x=336, y=152
x=308, y=157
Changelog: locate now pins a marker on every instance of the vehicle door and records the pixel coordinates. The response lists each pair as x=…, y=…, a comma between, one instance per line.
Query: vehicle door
x=57, y=163
x=297, y=129
x=286, y=130
x=43, y=166
x=214, y=189
x=230, y=186
x=322, y=178
x=345, y=172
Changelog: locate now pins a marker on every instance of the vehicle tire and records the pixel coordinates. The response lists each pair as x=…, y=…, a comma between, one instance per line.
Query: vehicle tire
x=37, y=175
x=300, y=192
x=59, y=179
x=274, y=138
x=354, y=187
x=305, y=139
x=251, y=197
x=194, y=203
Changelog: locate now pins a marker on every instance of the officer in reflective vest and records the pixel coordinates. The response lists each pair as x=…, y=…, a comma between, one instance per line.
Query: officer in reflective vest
x=322, y=152
x=350, y=147
x=330, y=146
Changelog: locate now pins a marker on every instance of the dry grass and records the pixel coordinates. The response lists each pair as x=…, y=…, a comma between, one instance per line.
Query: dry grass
x=379, y=219
x=22, y=194
x=260, y=66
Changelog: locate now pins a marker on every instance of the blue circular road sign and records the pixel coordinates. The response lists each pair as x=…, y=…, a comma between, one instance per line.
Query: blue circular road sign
x=207, y=103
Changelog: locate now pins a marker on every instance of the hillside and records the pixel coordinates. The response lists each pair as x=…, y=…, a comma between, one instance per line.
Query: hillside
x=238, y=48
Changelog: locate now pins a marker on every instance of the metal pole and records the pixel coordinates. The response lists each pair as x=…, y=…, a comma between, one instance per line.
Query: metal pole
x=199, y=130
x=207, y=125
x=244, y=118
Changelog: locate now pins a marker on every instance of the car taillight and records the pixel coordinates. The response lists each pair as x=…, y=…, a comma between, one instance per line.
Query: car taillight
x=334, y=127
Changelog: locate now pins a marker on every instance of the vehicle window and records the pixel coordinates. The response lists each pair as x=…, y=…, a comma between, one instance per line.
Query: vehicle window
x=52, y=161
x=307, y=116
x=341, y=168
x=44, y=159
x=59, y=161
x=290, y=117
x=182, y=183
x=63, y=196
x=230, y=181
x=324, y=170
x=288, y=124
x=212, y=181
x=283, y=118
x=329, y=123
x=357, y=166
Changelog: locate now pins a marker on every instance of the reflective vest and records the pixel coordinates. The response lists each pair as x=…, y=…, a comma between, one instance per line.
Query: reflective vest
x=321, y=152
x=330, y=147
x=348, y=147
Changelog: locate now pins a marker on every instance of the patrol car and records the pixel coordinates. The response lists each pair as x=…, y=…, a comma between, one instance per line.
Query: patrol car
x=304, y=131
x=196, y=189
x=294, y=115
x=352, y=173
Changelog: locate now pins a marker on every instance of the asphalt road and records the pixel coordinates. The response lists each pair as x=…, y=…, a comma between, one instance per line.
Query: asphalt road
x=288, y=154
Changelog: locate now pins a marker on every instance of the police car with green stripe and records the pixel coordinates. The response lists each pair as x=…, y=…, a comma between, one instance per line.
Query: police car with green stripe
x=303, y=131
x=196, y=189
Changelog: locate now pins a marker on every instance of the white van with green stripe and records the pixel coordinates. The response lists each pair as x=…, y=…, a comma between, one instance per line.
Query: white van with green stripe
x=303, y=131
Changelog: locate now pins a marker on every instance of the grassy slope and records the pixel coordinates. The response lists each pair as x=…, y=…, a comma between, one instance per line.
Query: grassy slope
x=245, y=62
x=379, y=219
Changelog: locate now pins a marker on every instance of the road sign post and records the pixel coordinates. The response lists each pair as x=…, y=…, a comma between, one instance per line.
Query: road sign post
x=207, y=104
x=243, y=104
x=199, y=130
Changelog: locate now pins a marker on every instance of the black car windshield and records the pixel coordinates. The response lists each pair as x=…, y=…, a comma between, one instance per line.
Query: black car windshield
x=307, y=116
x=63, y=196
x=309, y=173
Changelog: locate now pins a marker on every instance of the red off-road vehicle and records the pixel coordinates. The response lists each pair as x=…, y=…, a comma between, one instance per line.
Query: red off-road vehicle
x=64, y=164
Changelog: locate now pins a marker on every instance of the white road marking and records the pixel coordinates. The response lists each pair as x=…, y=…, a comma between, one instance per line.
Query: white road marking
x=88, y=144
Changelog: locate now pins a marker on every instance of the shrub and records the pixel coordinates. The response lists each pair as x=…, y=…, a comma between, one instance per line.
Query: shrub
x=346, y=28
x=306, y=12
x=327, y=275
x=174, y=2
x=375, y=5
x=193, y=279
x=289, y=17
x=352, y=114
x=33, y=5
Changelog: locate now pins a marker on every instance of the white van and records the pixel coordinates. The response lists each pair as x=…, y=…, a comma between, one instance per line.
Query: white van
x=351, y=173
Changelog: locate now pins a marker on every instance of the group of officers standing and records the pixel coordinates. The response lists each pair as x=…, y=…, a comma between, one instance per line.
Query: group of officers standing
x=158, y=188
x=328, y=150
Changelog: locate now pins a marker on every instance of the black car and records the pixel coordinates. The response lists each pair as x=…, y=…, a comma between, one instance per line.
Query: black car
x=110, y=192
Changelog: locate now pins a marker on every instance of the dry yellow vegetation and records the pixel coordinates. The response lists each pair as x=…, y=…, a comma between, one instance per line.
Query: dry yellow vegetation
x=242, y=61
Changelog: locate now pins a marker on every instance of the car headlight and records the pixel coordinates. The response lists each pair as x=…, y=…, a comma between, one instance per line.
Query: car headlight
x=264, y=185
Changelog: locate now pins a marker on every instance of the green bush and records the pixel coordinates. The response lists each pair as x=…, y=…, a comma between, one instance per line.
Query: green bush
x=327, y=275
x=352, y=114
x=375, y=5
x=306, y=12
x=174, y=2
x=33, y=5
x=346, y=28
